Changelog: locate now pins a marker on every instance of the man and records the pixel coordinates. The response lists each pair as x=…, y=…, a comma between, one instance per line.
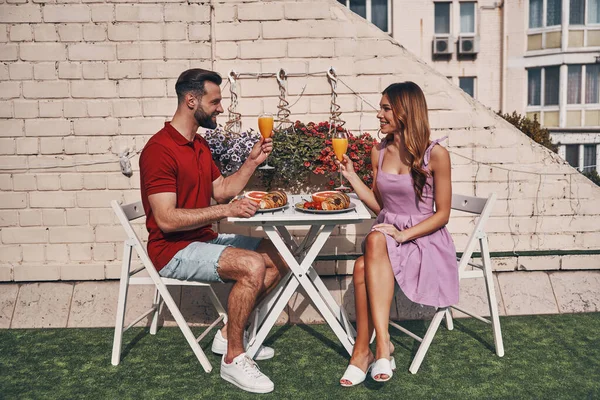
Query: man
x=178, y=179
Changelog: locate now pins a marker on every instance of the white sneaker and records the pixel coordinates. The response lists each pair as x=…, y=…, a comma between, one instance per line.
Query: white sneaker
x=245, y=374
x=219, y=346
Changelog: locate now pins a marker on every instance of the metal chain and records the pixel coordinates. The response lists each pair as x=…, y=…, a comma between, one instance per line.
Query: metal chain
x=334, y=119
x=234, y=123
x=284, y=111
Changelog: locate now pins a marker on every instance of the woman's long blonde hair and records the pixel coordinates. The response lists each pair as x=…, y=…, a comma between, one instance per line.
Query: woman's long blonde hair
x=410, y=109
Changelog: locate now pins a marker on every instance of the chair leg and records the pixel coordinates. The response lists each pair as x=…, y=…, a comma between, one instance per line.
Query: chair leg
x=427, y=339
x=121, y=304
x=217, y=304
x=491, y=293
x=449, y=320
x=185, y=329
x=158, y=304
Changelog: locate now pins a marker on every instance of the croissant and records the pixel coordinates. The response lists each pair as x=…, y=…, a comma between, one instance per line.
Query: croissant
x=273, y=200
x=336, y=201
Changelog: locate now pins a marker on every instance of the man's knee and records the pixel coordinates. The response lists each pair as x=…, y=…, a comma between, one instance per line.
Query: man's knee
x=253, y=267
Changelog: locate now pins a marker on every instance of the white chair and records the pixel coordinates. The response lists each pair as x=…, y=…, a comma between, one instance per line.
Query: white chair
x=128, y=213
x=482, y=207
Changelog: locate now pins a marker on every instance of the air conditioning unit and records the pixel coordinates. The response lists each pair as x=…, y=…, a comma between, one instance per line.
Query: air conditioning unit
x=442, y=45
x=468, y=45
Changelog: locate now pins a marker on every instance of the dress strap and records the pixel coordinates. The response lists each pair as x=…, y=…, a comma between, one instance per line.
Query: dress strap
x=383, y=146
x=428, y=151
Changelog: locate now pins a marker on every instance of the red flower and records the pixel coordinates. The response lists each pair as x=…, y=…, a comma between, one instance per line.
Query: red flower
x=306, y=164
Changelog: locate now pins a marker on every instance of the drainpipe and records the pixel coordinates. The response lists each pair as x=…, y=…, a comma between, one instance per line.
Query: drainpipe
x=503, y=72
x=213, y=39
x=503, y=51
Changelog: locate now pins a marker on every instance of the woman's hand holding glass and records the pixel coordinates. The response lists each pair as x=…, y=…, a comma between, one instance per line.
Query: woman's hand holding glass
x=346, y=167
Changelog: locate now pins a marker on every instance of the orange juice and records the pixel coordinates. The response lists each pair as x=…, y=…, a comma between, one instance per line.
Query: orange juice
x=339, y=147
x=265, y=126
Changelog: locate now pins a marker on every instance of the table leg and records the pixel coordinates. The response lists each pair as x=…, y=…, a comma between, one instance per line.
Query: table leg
x=338, y=311
x=287, y=238
x=300, y=273
x=289, y=288
x=309, y=239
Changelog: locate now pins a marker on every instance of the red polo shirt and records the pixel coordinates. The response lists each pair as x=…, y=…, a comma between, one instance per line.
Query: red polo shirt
x=170, y=163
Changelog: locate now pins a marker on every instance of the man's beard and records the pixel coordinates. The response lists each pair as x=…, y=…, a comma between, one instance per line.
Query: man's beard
x=204, y=120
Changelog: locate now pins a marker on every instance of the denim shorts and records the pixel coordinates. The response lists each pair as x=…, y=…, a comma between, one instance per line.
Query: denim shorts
x=199, y=261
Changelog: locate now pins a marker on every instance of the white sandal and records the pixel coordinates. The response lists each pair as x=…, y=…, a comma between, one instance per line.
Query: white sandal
x=383, y=366
x=354, y=375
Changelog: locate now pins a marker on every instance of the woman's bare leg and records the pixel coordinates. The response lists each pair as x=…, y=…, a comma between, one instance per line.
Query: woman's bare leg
x=379, y=279
x=361, y=355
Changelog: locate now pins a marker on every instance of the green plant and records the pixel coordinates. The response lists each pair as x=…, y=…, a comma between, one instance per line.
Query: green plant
x=531, y=128
x=593, y=176
x=230, y=150
x=303, y=150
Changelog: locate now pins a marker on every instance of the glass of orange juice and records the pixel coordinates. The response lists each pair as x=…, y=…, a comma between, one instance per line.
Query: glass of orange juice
x=340, y=146
x=265, y=126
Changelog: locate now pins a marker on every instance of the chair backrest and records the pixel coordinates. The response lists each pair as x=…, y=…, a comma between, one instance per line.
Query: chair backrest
x=133, y=210
x=473, y=205
x=126, y=213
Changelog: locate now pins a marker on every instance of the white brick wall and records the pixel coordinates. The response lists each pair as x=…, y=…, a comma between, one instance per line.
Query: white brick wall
x=81, y=82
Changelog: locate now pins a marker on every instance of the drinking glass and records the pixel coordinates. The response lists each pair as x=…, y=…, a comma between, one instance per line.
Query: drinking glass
x=340, y=146
x=265, y=126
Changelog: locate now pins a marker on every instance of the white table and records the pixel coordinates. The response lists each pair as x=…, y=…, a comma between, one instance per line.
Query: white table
x=300, y=258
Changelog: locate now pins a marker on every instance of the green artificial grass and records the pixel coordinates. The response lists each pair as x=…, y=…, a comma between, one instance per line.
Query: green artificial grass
x=547, y=357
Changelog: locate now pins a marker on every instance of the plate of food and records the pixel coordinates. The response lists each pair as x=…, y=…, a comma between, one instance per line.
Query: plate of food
x=268, y=201
x=326, y=203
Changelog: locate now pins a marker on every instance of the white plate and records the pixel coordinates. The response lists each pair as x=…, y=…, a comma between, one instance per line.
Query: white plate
x=263, y=210
x=300, y=207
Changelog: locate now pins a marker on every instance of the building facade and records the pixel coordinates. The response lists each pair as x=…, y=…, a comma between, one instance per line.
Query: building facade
x=540, y=58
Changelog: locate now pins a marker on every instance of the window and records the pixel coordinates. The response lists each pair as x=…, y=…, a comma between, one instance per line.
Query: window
x=534, y=87
x=553, y=8
x=379, y=14
x=593, y=12
x=442, y=18
x=592, y=73
x=376, y=11
x=589, y=158
x=576, y=93
x=467, y=17
x=467, y=84
x=551, y=86
x=536, y=9
x=553, y=12
x=574, y=84
x=572, y=154
x=577, y=12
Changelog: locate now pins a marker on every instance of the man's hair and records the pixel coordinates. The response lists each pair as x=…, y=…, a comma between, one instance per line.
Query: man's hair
x=193, y=80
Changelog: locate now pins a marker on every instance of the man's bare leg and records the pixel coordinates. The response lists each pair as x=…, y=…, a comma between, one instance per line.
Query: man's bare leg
x=247, y=269
x=275, y=269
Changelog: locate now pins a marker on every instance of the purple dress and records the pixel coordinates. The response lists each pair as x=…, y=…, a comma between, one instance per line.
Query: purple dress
x=425, y=268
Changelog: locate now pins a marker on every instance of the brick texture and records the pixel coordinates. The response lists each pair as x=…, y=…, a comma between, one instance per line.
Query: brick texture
x=81, y=81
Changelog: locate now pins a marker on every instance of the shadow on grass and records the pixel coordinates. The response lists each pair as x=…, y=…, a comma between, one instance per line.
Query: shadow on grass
x=333, y=345
x=280, y=332
x=131, y=344
x=463, y=328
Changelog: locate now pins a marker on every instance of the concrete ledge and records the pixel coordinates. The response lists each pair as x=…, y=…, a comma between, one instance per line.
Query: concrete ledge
x=93, y=304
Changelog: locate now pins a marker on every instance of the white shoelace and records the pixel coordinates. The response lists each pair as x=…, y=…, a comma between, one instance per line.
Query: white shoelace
x=250, y=368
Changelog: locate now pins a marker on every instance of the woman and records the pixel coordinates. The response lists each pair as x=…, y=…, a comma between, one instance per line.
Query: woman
x=409, y=241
